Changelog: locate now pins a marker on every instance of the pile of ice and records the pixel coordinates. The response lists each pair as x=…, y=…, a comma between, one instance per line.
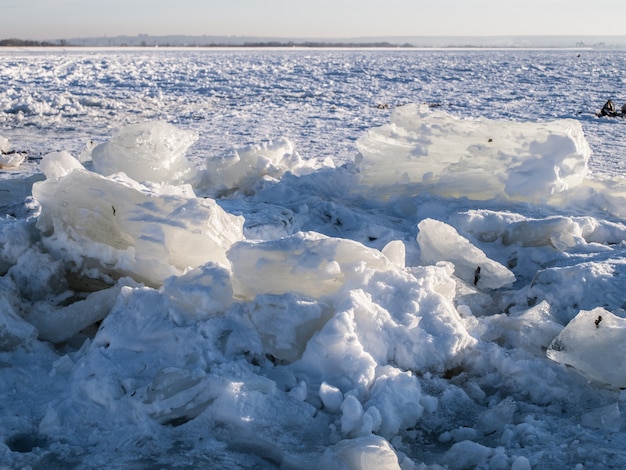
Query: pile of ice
x=335, y=350
x=244, y=169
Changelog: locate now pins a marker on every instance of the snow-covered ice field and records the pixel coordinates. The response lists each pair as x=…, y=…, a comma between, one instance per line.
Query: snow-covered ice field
x=302, y=259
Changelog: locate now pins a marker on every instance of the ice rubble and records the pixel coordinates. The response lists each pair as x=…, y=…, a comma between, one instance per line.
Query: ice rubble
x=337, y=335
x=243, y=168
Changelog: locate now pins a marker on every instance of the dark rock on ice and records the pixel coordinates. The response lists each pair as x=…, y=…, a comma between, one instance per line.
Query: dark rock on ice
x=610, y=110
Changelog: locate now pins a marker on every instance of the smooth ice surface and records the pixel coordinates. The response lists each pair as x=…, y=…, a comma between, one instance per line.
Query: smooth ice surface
x=268, y=259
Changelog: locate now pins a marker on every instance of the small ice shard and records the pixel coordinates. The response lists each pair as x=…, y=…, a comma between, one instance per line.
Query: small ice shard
x=57, y=325
x=395, y=251
x=177, y=395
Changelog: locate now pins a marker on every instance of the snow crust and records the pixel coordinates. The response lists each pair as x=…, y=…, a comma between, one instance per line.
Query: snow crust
x=254, y=308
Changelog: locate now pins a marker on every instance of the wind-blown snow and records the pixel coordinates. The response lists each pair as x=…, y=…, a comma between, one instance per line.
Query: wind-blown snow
x=368, y=288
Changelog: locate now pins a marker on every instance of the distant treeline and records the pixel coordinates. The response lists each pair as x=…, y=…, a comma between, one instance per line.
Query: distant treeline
x=322, y=44
x=253, y=42
x=27, y=43
x=312, y=44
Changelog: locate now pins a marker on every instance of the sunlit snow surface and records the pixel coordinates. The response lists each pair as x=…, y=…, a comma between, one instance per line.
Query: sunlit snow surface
x=268, y=259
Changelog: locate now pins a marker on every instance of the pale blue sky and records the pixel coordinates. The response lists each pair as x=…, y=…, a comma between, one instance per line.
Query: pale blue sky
x=58, y=19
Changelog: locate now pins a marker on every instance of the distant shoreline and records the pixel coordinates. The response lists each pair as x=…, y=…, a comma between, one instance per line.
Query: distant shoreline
x=157, y=49
x=418, y=42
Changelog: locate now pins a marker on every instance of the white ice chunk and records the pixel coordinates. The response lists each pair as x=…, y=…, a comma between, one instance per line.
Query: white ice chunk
x=439, y=241
x=478, y=159
x=14, y=330
x=468, y=454
x=286, y=323
x=559, y=232
x=177, y=395
x=5, y=146
x=521, y=463
x=591, y=343
x=308, y=263
x=149, y=151
x=351, y=415
x=201, y=292
x=148, y=232
x=336, y=354
x=412, y=327
x=532, y=329
x=331, y=397
x=12, y=160
x=58, y=164
x=397, y=396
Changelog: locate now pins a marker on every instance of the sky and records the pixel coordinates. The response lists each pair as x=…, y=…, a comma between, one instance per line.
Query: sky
x=61, y=19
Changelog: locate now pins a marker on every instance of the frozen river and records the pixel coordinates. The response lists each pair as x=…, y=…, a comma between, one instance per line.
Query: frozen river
x=322, y=100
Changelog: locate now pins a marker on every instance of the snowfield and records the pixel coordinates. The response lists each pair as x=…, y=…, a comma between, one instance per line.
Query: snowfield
x=302, y=259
